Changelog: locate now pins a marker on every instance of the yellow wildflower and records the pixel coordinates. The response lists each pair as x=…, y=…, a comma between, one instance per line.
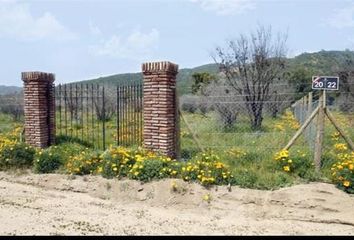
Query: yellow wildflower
x=346, y=183
x=286, y=168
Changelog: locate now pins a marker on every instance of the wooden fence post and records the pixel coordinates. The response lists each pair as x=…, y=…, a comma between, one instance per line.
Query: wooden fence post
x=320, y=130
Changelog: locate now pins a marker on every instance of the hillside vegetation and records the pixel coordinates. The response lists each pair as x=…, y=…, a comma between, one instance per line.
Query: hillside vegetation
x=4, y=90
x=318, y=63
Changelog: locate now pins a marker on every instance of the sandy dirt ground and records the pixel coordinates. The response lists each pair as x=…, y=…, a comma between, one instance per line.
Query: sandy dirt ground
x=91, y=205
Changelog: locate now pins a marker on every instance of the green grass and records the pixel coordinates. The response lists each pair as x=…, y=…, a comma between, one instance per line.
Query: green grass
x=90, y=130
x=211, y=135
x=6, y=123
x=258, y=169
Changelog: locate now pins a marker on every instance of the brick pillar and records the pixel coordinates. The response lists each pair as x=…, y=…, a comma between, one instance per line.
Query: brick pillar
x=161, y=121
x=39, y=101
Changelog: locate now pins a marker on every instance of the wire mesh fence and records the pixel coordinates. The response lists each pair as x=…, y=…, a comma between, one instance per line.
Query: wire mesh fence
x=224, y=120
x=215, y=118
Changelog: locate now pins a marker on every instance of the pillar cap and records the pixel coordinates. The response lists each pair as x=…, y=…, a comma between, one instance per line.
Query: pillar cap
x=159, y=67
x=37, y=76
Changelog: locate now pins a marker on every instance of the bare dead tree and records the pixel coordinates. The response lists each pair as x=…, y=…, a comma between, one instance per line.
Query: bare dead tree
x=71, y=99
x=105, y=106
x=250, y=65
x=281, y=97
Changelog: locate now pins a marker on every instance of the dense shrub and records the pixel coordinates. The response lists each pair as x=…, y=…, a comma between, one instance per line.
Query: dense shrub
x=15, y=154
x=343, y=172
x=147, y=170
x=207, y=169
x=86, y=162
x=51, y=159
x=297, y=163
x=227, y=114
x=62, y=139
x=47, y=161
x=117, y=161
x=190, y=107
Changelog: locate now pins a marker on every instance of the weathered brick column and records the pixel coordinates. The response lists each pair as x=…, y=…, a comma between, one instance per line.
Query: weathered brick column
x=39, y=101
x=161, y=121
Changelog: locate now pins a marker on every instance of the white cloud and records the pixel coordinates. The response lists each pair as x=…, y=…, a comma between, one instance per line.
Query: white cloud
x=137, y=45
x=342, y=18
x=226, y=7
x=17, y=21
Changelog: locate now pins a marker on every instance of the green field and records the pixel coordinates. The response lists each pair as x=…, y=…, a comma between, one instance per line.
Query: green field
x=248, y=153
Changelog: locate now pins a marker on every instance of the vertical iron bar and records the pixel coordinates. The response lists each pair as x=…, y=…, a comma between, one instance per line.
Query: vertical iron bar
x=92, y=114
x=104, y=120
x=65, y=111
x=124, y=123
x=121, y=105
x=59, y=97
x=129, y=114
x=76, y=109
x=120, y=115
x=99, y=114
x=134, y=114
x=82, y=112
x=71, y=111
x=117, y=115
x=140, y=114
x=87, y=114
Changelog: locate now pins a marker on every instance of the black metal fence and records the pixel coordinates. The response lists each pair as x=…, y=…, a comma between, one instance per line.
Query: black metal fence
x=100, y=116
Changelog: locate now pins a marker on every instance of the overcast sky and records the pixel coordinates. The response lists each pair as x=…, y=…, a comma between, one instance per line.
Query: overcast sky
x=79, y=40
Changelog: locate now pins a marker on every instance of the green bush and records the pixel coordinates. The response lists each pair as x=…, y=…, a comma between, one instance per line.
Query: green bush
x=47, y=161
x=16, y=154
x=66, y=150
x=62, y=139
x=207, y=169
x=117, y=162
x=86, y=162
x=52, y=158
x=148, y=170
x=343, y=172
x=303, y=167
x=246, y=178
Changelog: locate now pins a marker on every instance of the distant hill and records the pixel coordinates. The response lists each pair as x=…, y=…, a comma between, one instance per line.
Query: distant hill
x=9, y=89
x=318, y=63
x=184, y=77
x=323, y=62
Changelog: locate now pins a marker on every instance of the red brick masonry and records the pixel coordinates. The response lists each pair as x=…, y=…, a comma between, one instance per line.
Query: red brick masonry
x=39, y=108
x=160, y=108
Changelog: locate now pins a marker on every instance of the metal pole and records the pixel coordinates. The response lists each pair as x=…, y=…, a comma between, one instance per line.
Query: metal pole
x=59, y=97
x=104, y=120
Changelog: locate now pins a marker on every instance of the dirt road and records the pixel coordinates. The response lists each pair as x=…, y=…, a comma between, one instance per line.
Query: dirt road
x=61, y=205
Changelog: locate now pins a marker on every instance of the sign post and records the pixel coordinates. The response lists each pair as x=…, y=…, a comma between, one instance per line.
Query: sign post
x=325, y=83
x=320, y=130
x=322, y=83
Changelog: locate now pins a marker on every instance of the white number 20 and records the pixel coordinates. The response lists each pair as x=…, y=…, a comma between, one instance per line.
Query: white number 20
x=318, y=84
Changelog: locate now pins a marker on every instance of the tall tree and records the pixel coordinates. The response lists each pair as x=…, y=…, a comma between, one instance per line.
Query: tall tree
x=250, y=65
